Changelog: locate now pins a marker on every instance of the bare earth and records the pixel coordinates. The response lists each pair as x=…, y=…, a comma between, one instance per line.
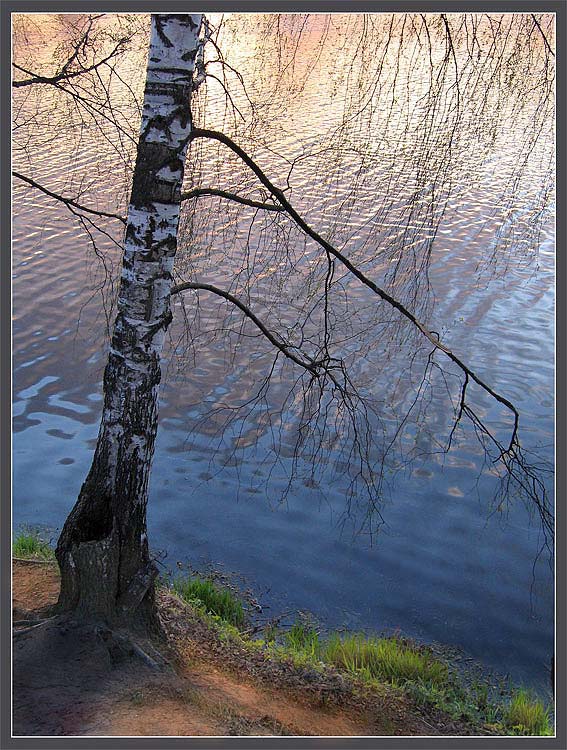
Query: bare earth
x=69, y=680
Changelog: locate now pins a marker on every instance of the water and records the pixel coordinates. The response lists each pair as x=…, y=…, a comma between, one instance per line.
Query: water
x=448, y=207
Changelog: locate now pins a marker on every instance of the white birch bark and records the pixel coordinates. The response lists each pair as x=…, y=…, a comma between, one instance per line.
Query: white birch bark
x=103, y=551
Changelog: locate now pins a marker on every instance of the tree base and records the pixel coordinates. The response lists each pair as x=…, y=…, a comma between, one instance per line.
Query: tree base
x=95, y=587
x=121, y=645
x=65, y=671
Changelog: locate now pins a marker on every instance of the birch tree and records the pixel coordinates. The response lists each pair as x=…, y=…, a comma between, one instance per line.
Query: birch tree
x=106, y=571
x=106, y=567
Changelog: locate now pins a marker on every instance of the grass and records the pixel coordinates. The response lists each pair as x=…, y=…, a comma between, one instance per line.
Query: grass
x=407, y=667
x=302, y=639
x=215, y=600
x=414, y=670
x=375, y=661
x=30, y=545
x=386, y=659
x=527, y=715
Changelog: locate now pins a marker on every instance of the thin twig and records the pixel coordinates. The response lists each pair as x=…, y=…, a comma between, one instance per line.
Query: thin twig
x=308, y=364
x=536, y=22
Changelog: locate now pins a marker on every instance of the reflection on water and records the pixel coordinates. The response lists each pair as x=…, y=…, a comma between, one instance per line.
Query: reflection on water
x=430, y=166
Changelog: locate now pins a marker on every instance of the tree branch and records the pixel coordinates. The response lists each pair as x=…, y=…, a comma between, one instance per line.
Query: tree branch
x=309, y=364
x=198, y=192
x=67, y=201
x=429, y=335
x=63, y=75
x=536, y=22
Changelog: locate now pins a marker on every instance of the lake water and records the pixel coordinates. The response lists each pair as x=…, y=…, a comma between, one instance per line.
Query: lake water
x=443, y=193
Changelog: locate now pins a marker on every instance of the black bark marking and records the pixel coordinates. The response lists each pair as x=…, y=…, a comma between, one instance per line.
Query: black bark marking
x=169, y=69
x=150, y=304
x=157, y=251
x=146, y=187
x=159, y=26
x=132, y=235
x=184, y=19
x=149, y=233
x=174, y=91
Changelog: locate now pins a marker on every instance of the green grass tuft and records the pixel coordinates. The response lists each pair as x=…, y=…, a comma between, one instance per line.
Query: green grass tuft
x=413, y=669
x=303, y=640
x=29, y=545
x=527, y=715
x=385, y=659
x=217, y=601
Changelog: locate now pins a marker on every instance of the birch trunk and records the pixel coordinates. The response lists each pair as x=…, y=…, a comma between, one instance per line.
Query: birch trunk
x=106, y=571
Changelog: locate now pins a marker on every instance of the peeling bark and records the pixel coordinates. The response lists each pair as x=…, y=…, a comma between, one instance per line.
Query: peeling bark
x=106, y=572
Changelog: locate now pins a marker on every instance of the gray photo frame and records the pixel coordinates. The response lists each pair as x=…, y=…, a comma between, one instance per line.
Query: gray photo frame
x=7, y=741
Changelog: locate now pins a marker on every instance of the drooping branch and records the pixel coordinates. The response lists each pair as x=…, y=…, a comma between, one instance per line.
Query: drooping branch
x=225, y=66
x=187, y=195
x=330, y=249
x=69, y=202
x=198, y=192
x=327, y=392
x=63, y=75
x=309, y=364
x=66, y=73
x=86, y=78
x=323, y=367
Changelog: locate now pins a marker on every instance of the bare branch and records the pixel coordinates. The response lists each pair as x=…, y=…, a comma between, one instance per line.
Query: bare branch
x=227, y=94
x=308, y=364
x=279, y=194
x=67, y=201
x=198, y=192
x=536, y=22
x=64, y=74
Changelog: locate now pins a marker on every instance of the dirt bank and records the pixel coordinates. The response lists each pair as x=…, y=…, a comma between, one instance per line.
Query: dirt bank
x=70, y=681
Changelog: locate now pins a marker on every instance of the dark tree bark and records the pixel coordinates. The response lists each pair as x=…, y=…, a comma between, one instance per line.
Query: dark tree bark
x=106, y=571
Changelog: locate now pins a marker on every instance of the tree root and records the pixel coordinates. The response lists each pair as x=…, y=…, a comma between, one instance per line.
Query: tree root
x=33, y=561
x=25, y=623
x=122, y=646
x=24, y=630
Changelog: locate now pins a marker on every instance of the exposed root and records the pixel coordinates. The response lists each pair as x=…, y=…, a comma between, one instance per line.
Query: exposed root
x=122, y=646
x=25, y=630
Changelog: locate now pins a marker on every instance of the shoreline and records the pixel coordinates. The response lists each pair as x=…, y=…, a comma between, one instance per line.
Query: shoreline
x=303, y=667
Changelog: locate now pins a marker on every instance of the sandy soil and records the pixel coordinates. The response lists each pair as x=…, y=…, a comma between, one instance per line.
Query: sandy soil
x=68, y=680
